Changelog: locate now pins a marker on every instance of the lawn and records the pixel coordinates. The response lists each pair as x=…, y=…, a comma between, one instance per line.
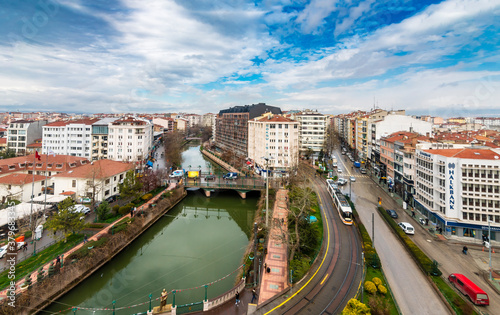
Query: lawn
x=384, y=302
x=33, y=263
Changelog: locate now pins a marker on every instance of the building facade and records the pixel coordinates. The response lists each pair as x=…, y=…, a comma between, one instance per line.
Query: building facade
x=23, y=132
x=276, y=138
x=130, y=139
x=458, y=189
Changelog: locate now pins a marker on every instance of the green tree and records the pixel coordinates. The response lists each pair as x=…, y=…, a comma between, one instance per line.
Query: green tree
x=131, y=186
x=66, y=220
x=103, y=211
x=355, y=307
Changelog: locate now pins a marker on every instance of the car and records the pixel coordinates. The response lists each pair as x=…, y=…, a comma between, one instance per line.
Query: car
x=341, y=181
x=210, y=177
x=363, y=170
x=230, y=176
x=407, y=227
x=392, y=213
x=352, y=179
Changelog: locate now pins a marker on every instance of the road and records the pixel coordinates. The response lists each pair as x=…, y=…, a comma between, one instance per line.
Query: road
x=336, y=274
x=413, y=292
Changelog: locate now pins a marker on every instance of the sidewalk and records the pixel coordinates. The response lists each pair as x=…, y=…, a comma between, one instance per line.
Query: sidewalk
x=19, y=283
x=276, y=260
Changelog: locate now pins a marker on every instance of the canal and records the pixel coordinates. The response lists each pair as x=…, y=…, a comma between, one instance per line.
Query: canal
x=200, y=241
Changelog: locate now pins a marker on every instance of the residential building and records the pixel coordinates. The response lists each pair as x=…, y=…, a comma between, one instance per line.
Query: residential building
x=71, y=137
x=312, y=131
x=23, y=132
x=232, y=126
x=99, y=179
x=130, y=139
x=458, y=188
x=276, y=138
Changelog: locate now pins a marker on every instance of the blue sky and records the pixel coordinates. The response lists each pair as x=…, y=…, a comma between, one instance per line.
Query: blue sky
x=429, y=57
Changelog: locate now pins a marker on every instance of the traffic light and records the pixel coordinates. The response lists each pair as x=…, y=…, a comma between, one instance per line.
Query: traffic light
x=379, y=201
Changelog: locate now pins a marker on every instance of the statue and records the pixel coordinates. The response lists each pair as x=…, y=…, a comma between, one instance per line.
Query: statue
x=163, y=300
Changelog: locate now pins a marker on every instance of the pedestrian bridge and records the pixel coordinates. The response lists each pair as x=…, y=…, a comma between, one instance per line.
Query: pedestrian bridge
x=240, y=185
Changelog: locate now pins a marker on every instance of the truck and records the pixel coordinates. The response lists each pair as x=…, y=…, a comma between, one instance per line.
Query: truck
x=357, y=164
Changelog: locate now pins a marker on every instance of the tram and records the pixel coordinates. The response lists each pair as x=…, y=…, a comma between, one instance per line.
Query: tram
x=343, y=207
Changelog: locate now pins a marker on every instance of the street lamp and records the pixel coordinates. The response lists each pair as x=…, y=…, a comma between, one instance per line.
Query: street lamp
x=267, y=188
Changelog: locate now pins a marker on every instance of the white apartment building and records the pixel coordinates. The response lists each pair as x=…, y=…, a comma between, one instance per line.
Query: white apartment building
x=71, y=137
x=20, y=133
x=130, y=139
x=458, y=188
x=312, y=131
x=274, y=137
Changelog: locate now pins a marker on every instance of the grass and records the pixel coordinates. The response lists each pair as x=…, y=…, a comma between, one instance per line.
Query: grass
x=33, y=263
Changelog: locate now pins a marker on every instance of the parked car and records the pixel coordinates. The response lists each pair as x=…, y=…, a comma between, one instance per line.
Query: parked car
x=363, y=170
x=407, y=227
x=210, y=177
x=230, y=176
x=392, y=213
x=469, y=289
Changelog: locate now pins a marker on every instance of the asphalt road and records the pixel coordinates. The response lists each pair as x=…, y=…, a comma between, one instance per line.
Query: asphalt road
x=411, y=289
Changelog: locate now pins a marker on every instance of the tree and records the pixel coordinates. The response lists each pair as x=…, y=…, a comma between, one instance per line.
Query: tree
x=66, y=220
x=103, y=211
x=131, y=186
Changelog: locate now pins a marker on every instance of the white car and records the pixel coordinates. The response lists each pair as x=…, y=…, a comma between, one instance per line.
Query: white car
x=407, y=227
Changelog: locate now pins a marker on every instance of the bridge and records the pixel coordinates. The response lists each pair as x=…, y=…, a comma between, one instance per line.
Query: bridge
x=242, y=185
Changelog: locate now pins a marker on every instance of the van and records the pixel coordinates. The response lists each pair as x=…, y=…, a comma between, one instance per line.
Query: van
x=469, y=289
x=230, y=176
x=407, y=227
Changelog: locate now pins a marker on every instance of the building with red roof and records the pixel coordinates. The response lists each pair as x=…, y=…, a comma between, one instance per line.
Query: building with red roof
x=457, y=188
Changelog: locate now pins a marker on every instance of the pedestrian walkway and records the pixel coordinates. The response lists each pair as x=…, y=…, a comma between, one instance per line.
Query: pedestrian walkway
x=276, y=260
x=19, y=284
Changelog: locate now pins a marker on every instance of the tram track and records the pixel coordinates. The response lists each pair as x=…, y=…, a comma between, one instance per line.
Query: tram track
x=333, y=278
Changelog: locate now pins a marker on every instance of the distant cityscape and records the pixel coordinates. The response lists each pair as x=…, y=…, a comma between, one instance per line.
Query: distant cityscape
x=447, y=169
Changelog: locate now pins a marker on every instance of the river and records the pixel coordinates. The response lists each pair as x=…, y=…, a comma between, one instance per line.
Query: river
x=200, y=241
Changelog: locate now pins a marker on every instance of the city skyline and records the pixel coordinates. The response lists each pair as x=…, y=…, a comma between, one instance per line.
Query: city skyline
x=428, y=57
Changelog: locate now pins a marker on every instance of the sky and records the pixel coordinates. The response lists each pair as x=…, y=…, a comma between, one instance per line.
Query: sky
x=436, y=58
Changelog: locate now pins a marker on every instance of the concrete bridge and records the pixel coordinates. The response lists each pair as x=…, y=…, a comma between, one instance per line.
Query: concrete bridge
x=241, y=185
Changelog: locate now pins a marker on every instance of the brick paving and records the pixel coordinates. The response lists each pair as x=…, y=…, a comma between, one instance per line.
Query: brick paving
x=19, y=288
x=276, y=260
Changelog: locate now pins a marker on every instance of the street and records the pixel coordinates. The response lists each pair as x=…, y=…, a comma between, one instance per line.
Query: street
x=411, y=289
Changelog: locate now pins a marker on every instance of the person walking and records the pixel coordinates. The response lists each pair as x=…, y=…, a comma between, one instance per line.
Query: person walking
x=254, y=295
x=237, y=296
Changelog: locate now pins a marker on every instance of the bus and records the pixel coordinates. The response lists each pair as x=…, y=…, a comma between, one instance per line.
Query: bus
x=343, y=207
x=469, y=289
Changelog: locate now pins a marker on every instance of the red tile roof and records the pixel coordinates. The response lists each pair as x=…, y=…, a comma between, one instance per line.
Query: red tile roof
x=101, y=168
x=20, y=179
x=466, y=153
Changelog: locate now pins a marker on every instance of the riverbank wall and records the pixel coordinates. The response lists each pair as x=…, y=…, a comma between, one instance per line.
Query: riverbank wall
x=41, y=295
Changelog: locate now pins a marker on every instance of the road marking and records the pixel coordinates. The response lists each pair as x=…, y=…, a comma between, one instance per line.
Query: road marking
x=314, y=275
x=324, y=279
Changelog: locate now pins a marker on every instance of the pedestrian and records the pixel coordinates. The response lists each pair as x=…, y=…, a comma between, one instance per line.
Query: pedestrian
x=237, y=296
x=254, y=295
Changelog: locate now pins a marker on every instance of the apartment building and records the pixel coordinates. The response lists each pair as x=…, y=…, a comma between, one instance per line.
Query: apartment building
x=232, y=126
x=458, y=188
x=130, y=139
x=100, y=179
x=72, y=137
x=20, y=133
x=276, y=138
x=100, y=137
x=312, y=131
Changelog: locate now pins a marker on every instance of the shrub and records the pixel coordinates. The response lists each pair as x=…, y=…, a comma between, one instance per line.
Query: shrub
x=377, y=281
x=382, y=289
x=370, y=287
